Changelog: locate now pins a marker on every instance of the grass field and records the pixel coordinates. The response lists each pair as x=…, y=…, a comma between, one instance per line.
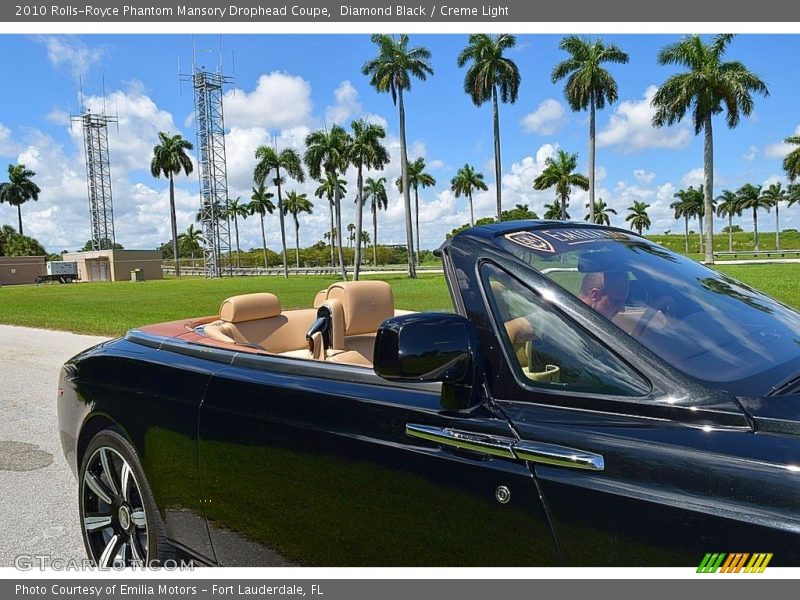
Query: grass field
x=742, y=240
x=113, y=308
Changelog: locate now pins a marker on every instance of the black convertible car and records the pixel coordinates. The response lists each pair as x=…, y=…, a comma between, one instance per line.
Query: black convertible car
x=590, y=399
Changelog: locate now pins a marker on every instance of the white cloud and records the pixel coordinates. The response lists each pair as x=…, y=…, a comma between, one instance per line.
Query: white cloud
x=346, y=106
x=695, y=177
x=751, y=154
x=630, y=127
x=279, y=100
x=546, y=119
x=7, y=145
x=71, y=54
x=643, y=176
x=780, y=149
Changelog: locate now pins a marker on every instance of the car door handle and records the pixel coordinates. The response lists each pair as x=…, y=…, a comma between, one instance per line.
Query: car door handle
x=537, y=452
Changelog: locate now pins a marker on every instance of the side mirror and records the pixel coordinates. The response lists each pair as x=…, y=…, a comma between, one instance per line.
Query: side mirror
x=430, y=347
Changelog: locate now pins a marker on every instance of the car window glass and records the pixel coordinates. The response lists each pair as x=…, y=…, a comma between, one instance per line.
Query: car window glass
x=548, y=350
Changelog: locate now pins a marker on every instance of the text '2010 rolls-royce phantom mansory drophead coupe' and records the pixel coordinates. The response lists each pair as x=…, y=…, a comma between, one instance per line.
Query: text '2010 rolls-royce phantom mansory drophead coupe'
x=591, y=399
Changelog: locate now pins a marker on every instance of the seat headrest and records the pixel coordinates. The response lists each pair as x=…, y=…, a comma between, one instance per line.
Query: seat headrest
x=321, y=296
x=249, y=307
x=366, y=304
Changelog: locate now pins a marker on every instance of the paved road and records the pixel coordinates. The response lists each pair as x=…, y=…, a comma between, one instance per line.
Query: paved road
x=38, y=494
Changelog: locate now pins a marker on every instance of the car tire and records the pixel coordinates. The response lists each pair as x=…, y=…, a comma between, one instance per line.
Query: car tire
x=120, y=522
x=67, y=279
x=40, y=279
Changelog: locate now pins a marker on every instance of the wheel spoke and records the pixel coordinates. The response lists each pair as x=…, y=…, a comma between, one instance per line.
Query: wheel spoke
x=108, y=469
x=135, y=554
x=109, y=552
x=122, y=555
x=126, y=479
x=139, y=518
x=98, y=487
x=95, y=522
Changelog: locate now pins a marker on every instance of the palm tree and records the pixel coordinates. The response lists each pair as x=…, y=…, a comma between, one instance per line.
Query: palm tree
x=169, y=159
x=491, y=75
x=190, y=240
x=296, y=203
x=19, y=189
x=709, y=87
x=728, y=206
x=391, y=71
x=695, y=206
x=683, y=211
x=466, y=181
x=367, y=151
x=600, y=213
x=588, y=85
x=791, y=162
x=558, y=173
x=555, y=211
x=375, y=192
x=773, y=196
x=269, y=159
x=750, y=197
x=326, y=152
x=351, y=234
x=638, y=217
x=417, y=177
x=237, y=209
x=261, y=204
x=331, y=187
x=793, y=193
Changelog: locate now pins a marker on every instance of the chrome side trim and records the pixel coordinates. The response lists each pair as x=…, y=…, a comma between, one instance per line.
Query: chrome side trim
x=486, y=444
x=559, y=456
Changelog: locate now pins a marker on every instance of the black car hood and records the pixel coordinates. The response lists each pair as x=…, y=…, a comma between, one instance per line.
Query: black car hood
x=774, y=414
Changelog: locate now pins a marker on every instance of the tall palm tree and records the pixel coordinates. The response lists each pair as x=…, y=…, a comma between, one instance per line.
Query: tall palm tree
x=288, y=161
x=728, y=206
x=491, y=76
x=295, y=204
x=260, y=204
x=190, y=240
x=365, y=151
x=683, y=210
x=695, y=206
x=773, y=196
x=417, y=177
x=709, y=87
x=169, y=159
x=556, y=211
x=638, y=217
x=559, y=174
x=326, y=152
x=235, y=210
x=750, y=198
x=351, y=234
x=391, y=71
x=466, y=181
x=19, y=189
x=588, y=85
x=375, y=193
x=599, y=213
x=331, y=187
x=791, y=162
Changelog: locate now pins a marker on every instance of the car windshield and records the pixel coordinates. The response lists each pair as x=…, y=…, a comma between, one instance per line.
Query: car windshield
x=705, y=324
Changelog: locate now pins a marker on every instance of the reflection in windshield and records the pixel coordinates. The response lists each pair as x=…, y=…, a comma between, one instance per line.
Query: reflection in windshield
x=704, y=323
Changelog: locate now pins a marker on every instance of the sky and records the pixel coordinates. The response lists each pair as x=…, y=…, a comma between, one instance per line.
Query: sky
x=288, y=85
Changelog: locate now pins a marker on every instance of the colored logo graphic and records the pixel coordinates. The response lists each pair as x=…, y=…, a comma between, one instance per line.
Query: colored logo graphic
x=737, y=562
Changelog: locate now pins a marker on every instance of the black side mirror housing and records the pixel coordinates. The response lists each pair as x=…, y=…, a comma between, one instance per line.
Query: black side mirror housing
x=432, y=347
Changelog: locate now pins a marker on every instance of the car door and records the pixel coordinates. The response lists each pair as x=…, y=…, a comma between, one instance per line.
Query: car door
x=636, y=468
x=306, y=462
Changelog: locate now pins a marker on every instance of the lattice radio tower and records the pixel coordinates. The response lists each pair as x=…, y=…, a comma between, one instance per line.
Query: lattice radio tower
x=210, y=124
x=98, y=174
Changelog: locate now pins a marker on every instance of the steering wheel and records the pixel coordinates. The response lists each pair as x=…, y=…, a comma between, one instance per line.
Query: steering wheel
x=664, y=305
x=538, y=369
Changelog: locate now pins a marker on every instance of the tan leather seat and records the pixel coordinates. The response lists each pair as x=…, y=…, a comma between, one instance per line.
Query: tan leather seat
x=258, y=319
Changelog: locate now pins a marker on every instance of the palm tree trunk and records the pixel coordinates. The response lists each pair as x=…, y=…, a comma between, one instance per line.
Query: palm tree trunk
x=755, y=228
x=359, y=224
x=730, y=232
x=19, y=217
x=412, y=271
x=686, y=232
x=296, y=241
x=591, y=157
x=416, y=213
x=338, y=207
x=563, y=208
x=283, y=226
x=700, y=223
x=496, y=117
x=236, y=228
x=777, y=228
x=708, y=188
x=471, y=213
x=333, y=229
x=264, y=241
x=374, y=235
x=175, y=253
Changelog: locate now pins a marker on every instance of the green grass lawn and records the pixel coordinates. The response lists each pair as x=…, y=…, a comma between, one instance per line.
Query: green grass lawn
x=113, y=308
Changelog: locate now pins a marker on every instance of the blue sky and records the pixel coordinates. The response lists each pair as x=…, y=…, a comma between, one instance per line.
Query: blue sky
x=288, y=85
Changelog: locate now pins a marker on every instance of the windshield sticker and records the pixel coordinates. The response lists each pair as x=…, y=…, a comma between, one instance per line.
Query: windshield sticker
x=529, y=240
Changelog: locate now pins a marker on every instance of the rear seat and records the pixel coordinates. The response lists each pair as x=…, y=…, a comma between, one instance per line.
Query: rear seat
x=257, y=319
